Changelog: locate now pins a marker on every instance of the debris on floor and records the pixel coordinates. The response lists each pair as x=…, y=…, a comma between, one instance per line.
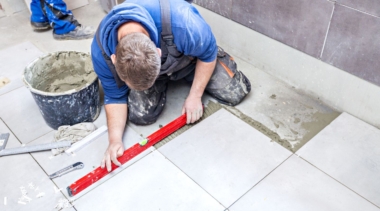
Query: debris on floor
x=31, y=186
x=40, y=195
x=4, y=81
x=56, y=190
x=24, y=198
x=62, y=204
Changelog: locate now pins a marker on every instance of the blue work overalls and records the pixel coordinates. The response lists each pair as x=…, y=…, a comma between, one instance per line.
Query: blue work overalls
x=55, y=13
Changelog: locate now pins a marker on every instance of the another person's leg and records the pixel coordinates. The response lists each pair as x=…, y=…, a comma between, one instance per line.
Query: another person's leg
x=144, y=107
x=62, y=20
x=38, y=20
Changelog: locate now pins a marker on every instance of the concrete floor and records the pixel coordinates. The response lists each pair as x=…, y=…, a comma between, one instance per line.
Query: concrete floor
x=249, y=179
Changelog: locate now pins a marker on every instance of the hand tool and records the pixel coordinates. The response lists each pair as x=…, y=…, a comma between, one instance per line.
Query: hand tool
x=130, y=153
x=3, y=140
x=75, y=166
x=34, y=148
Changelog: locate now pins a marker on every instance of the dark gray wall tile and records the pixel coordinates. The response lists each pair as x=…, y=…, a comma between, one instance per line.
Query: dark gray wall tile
x=369, y=6
x=222, y=7
x=301, y=24
x=353, y=44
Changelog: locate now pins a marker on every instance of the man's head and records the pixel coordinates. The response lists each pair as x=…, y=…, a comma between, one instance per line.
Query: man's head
x=137, y=61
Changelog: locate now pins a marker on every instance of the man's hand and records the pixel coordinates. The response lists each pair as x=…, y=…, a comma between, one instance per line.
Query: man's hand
x=193, y=109
x=193, y=104
x=114, y=150
x=116, y=119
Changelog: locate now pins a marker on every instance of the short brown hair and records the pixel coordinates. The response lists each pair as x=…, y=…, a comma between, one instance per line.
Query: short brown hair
x=137, y=61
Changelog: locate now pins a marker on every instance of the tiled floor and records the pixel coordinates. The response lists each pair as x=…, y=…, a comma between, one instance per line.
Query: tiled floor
x=222, y=163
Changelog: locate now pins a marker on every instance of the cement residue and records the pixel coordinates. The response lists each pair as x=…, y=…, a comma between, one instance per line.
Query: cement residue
x=61, y=71
x=320, y=120
x=4, y=81
x=213, y=107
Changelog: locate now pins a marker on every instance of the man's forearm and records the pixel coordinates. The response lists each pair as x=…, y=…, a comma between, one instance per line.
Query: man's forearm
x=116, y=121
x=203, y=72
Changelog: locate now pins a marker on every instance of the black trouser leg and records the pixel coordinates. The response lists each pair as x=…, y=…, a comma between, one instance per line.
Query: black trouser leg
x=144, y=107
x=227, y=85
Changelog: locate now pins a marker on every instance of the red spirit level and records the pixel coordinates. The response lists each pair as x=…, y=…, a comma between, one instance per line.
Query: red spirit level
x=130, y=153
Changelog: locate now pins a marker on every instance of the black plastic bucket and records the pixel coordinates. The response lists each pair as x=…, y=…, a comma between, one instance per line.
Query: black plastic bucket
x=65, y=88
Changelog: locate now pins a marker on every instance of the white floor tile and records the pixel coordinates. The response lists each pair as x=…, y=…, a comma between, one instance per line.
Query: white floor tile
x=101, y=120
x=224, y=155
x=91, y=156
x=348, y=150
x=13, y=61
x=20, y=170
x=298, y=186
x=153, y=183
x=21, y=113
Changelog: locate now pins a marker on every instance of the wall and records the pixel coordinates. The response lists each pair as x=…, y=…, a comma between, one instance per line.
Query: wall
x=333, y=86
x=343, y=33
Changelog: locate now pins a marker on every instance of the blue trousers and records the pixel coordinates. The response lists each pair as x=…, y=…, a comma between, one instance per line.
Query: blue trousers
x=54, y=12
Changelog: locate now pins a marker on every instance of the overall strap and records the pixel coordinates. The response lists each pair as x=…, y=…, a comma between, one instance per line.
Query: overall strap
x=108, y=60
x=166, y=34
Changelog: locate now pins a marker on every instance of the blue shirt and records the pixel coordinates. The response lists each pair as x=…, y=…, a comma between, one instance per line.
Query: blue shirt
x=192, y=36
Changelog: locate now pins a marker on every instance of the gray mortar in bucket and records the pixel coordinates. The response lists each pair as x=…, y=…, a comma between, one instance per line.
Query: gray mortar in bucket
x=59, y=73
x=65, y=87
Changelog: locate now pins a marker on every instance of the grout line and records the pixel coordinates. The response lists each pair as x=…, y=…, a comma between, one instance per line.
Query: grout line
x=16, y=88
x=261, y=180
x=361, y=11
x=39, y=136
x=31, y=155
x=10, y=130
x=191, y=179
x=338, y=181
x=327, y=32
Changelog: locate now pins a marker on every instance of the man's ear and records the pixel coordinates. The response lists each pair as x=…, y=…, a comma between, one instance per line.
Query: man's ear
x=159, y=52
x=113, y=58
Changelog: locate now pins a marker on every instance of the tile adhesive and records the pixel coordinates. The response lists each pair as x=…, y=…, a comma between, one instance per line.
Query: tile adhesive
x=62, y=71
x=312, y=127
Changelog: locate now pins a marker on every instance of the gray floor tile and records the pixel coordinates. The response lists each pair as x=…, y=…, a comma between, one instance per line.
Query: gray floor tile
x=18, y=5
x=20, y=170
x=348, y=150
x=13, y=61
x=297, y=186
x=21, y=113
x=353, y=43
x=224, y=155
x=153, y=183
x=16, y=28
x=91, y=156
x=2, y=13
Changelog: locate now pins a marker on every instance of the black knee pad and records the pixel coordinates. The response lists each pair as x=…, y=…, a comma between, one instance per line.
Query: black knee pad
x=234, y=92
x=144, y=107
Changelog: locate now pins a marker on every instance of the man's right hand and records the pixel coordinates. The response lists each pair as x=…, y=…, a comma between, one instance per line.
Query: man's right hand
x=114, y=150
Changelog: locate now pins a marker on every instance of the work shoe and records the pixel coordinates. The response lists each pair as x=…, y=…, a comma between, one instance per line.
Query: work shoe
x=79, y=33
x=40, y=25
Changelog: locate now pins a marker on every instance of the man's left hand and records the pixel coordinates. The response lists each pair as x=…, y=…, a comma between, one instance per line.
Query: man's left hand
x=193, y=109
